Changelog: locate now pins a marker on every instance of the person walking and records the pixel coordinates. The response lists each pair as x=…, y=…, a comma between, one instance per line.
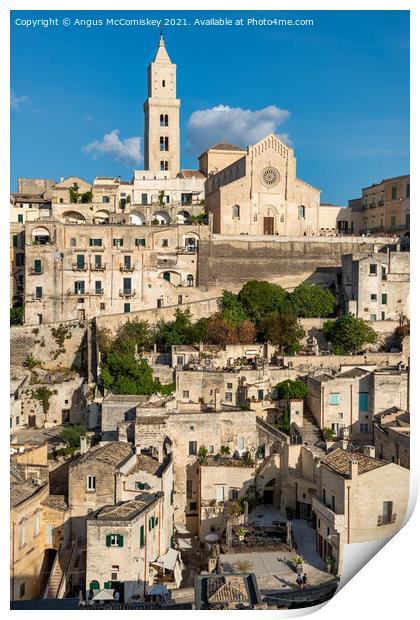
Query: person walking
x=299, y=581
x=304, y=581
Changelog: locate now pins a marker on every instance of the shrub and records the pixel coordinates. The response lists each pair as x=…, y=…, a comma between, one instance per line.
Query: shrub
x=311, y=300
x=17, y=315
x=30, y=362
x=349, y=334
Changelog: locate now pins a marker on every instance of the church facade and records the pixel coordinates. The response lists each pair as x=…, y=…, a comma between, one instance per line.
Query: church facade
x=260, y=194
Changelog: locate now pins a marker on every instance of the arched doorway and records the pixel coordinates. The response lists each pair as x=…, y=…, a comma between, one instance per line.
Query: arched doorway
x=268, y=221
x=40, y=236
x=137, y=218
x=161, y=217
x=268, y=492
x=74, y=217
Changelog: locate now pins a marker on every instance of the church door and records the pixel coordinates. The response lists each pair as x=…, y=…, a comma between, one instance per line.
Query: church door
x=269, y=225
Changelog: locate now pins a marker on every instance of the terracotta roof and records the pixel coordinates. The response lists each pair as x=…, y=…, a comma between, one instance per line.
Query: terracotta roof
x=230, y=588
x=225, y=146
x=114, y=453
x=148, y=464
x=20, y=492
x=339, y=461
x=353, y=373
x=57, y=502
x=125, y=510
x=188, y=174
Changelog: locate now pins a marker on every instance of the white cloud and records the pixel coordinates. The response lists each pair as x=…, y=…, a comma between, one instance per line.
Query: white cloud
x=235, y=125
x=16, y=102
x=126, y=151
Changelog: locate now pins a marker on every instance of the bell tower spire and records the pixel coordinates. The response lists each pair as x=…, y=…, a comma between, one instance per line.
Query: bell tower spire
x=161, y=114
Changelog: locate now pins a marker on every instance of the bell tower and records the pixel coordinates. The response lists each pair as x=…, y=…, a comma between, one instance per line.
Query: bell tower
x=161, y=115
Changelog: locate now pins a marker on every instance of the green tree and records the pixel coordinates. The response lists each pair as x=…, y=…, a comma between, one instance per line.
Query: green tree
x=218, y=331
x=259, y=298
x=72, y=435
x=86, y=197
x=231, y=309
x=311, y=300
x=349, y=334
x=122, y=373
x=179, y=331
x=292, y=390
x=282, y=329
x=17, y=315
x=138, y=333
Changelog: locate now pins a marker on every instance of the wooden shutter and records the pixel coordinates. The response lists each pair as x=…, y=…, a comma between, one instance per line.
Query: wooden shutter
x=142, y=536
x=120, y=540
x=108, y=540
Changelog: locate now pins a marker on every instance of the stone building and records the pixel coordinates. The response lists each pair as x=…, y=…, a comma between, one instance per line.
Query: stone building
x=377, y=287
x=17, y=264
x=391, y=436
x=383, y=208
x=334, y=220
x=347, y=401
x=259, y=194
x=359, y=499
x=78, y=272
x=124, y=544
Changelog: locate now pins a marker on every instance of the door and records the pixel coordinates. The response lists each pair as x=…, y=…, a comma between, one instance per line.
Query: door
x=31, y=421
x=81, y=314
x=269, y=226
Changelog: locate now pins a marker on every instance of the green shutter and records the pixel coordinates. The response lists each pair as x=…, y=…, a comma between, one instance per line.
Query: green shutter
x=120, y=541
x=108, y=540
x=107, y=585
x=156, y=521
x=150, y=523
x=94, y=585
x=142, y=536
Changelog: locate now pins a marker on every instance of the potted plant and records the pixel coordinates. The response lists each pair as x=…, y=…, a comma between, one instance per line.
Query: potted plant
x=241, y=532
x=329, y=562
x=299, y=562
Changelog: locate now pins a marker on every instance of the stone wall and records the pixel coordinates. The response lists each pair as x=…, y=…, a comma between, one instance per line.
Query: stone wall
x=43, y=342
x=230, y=261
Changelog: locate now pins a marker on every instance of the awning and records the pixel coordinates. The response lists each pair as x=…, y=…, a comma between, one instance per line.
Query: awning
x=180, y=528
x=158, y=590
x=103, y=595
x=184, y=543
x=168, y=560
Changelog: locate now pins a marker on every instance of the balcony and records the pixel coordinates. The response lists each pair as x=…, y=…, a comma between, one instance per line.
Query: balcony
x=32, y=297
x=127, y=268
x=336, y=520
x=79, y=267
x=100, y=267
x=388, y=520
x=189, y=249
x=127, y=293
x=97, y=293
x=36, y=272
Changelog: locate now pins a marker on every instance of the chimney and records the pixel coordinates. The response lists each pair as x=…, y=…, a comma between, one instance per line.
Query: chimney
x=83, y=445
x=200, y=347
x=353, y=468
x=369, y=451
x=344, y=444
x=61, y=179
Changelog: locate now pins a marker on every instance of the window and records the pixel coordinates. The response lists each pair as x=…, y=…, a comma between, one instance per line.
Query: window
x=22, y=589
x=384, y=299
x=228, y=397
x=80, y=261
x=141, y=242
x=190, y=280
x=301, y=212
x=229, y=386
x=164, y=164
x=236, y=211
x=364, y=427
x=15, y=241
x=363, y=401
x=393, y=221
x=189, y=489
x=373, y=297
x=333, y=502
x=192, y=447
x=22, y=534
x=98, y=287
x=382, y=316
x=241, y=443
x=79, y=287
x=185, y=393
x=407, y=190
x=387, y=512
x=38, y=292
x=127, y=308
x=163, y=120
x=102, y=306
x=37, y=522
x=220, y=493
x=20, y=259
x=141, y=536
x=373, y=269
x=127, y=262
x=324, y=496
x=163, y=83
x=20, y=218
x=334, y=399
x=37, y=265
x=164, y=143
x=394, y=192
x=372, y=317
x=152, y=523
x=72, y=242
x=91, y=483
x=98, y=261
x=165, y=243
x=95, y=242
x=211, y=449
x=105, y=199
x=118, y=243
x=144, y=199
x=160, y=303
x=407, y=220
x=233, y=493
x=127, y=286
x=141, y=486
x=114, y=540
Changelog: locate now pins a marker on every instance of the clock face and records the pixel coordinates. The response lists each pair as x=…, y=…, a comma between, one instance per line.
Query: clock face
x=270, y=176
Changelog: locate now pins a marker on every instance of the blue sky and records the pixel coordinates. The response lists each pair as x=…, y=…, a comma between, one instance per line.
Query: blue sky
x=338, y=91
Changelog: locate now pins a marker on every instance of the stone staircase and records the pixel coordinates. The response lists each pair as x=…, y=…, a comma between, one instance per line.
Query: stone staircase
x=56, y=585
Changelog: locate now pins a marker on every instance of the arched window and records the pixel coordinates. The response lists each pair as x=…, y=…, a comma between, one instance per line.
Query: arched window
x=164, y=164
x=164, y=144
x=301, y=212
x=190, y=280
x=236, y=211
x=164, y=120
x=167, y=276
